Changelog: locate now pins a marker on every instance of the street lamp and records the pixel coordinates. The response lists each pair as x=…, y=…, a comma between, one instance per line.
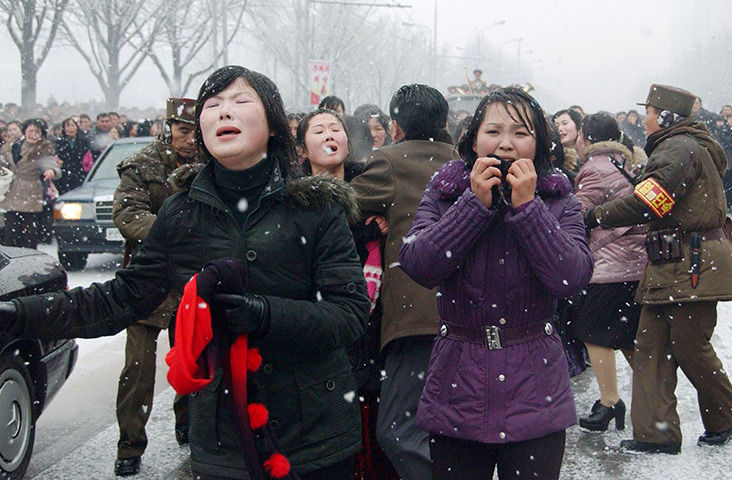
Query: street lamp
x=518, y=63
x=500, y=52
x=431, y=47
x=499, y=22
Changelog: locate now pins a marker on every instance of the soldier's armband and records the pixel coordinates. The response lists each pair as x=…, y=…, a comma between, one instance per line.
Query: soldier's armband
x=655, y=196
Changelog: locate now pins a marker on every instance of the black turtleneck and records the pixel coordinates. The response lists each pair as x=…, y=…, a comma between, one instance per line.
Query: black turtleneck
x=240, y=189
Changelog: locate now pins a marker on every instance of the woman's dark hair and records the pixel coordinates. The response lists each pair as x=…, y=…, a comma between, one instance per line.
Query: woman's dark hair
x=331, y=102
x=361, y=109
x=461, y=127
x=602, y=127
x=522, y=108
x=38, y=122
x=66, y=122
x=143, y=128
x=359, y=137
x=302, y=129
x=129, y=126
x=557, y=149
x=281, y=145
x=576, y=117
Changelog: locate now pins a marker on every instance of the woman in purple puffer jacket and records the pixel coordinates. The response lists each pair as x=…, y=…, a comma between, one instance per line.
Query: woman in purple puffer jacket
x=502, y=247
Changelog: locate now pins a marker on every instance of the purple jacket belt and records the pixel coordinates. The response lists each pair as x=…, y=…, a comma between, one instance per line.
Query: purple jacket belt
x=496, y=338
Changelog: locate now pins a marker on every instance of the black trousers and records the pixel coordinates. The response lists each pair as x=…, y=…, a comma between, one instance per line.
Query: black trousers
x=21, y=229
x=538, y=458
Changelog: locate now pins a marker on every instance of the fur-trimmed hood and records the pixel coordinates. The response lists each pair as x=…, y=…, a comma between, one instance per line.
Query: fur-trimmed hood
x=454, y=178
x=606, y=148
x=321, y=191
x=301, y=192
x=634, y=159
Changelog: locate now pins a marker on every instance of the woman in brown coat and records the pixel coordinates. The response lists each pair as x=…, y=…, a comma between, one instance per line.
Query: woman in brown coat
x=31, y=159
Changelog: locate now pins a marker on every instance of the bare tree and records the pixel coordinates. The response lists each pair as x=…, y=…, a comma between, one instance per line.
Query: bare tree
x=189, y=28
x=119, y=36
x=365, y=45
x=32, y=23
x=389, y=61
x=328, y=33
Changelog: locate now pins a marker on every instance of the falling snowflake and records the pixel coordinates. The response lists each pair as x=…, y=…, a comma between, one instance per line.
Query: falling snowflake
x=242, y=205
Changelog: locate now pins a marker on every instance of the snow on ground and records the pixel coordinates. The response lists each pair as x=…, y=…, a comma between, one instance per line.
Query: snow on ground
x=591, y=455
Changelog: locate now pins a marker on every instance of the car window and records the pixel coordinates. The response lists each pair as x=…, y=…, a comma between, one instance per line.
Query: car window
x=107, y=163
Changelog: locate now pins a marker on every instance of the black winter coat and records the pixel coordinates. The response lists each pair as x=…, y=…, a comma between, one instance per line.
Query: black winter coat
x=302, y=258
x=72, y=154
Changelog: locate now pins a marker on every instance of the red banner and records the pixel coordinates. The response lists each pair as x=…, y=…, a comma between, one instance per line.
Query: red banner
x=319, y=80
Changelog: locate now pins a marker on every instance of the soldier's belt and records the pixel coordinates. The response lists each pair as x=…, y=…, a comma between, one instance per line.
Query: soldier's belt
x=712, y=234
x=664, y=246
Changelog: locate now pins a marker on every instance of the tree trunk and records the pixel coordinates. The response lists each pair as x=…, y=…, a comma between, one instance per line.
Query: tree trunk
x=177, y=87
x=114, y=88
x=29, y=73
x=28, y=68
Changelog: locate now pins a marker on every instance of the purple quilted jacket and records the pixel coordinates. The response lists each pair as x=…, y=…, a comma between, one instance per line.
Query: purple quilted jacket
x=505, y=271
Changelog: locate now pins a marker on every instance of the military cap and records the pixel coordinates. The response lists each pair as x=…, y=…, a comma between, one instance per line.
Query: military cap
x=181, y=110
x=673, y=99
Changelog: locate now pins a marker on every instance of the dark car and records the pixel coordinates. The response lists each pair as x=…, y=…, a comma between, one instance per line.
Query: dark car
x=83, y=217
x=31, y=371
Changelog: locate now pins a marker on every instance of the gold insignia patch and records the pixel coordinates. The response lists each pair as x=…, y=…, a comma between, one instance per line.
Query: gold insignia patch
x=655, y=196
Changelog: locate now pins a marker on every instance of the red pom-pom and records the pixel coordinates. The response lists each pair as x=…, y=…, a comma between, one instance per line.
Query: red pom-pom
x=258, y=415
x=277, y=466
x=254, y=360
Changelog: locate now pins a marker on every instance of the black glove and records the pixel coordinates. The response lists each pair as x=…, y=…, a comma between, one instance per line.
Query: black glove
x=225, y=275
x=245, y=313
x=591, y=220
x=8, y=316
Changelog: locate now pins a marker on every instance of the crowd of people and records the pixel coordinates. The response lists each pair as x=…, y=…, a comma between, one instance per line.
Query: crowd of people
x=48, y=155
x=375, y=296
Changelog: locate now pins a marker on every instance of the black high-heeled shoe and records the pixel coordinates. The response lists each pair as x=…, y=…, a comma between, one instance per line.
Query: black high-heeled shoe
x=601, y=415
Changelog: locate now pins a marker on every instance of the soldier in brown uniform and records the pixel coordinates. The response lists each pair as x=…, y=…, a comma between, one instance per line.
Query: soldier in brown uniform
x=681, y=199
x=146, y=180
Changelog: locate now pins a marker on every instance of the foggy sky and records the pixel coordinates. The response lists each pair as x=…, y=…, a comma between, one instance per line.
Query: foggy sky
x=601, y=55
